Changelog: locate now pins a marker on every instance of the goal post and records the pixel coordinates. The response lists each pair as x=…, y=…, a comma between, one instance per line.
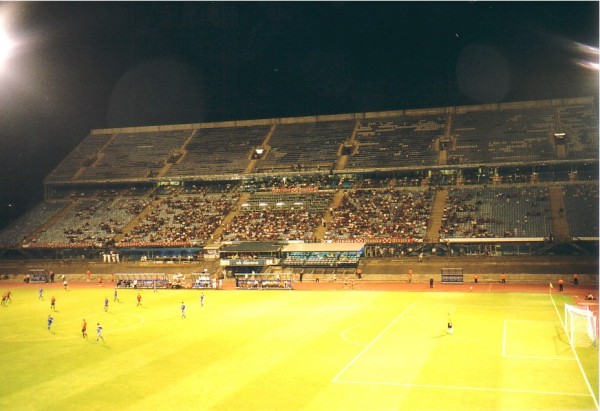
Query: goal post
x=580, y=326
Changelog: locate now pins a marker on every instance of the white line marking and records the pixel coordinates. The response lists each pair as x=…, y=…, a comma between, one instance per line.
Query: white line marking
x=347, y=330
x=460, y=387
x=373, y=341
x=528, y=357
x=500, y=307
x=593, y=395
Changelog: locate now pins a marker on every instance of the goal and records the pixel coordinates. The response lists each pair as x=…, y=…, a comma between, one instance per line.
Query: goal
x=580, y=326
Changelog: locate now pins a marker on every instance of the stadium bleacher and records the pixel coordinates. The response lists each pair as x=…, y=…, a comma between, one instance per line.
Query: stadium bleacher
x=181, y=217
x=91, y=222
x=278, y=217
x=84, y=155
x=473, y=172
x=381, y=214
x=580, y=125
x=581, y=208
x=497, y=212
x=16, y=233
x=306, y=146
x=397, y=142
x=503, y=136
x=220, y=150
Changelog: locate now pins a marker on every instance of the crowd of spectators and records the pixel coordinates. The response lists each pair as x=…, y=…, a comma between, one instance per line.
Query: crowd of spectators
x=279, y=216
x=182, y=217
x=381, y=214
x=273, y=225
x=389, y=212
x=94, y=222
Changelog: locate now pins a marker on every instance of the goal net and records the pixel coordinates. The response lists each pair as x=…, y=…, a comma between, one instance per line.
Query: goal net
x=580, y=326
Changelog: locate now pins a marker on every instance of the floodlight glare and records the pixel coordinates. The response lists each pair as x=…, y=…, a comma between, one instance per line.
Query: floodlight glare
x=8, y=43
x=6, y=46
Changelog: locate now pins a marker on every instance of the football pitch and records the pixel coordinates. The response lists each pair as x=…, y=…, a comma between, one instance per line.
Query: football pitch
x=291, y=350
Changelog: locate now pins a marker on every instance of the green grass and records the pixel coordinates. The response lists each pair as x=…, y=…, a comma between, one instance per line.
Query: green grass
x=291, y=350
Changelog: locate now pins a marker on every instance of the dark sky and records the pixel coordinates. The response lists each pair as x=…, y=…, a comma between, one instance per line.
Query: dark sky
x=85, y=65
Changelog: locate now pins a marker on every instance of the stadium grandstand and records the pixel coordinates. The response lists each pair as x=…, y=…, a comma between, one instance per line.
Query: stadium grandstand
x=504, y=179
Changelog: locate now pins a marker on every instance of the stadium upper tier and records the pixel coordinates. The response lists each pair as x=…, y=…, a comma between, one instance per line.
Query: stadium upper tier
x=532, y=132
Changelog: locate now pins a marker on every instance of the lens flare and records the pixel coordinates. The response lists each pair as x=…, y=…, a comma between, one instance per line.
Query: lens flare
x=6, y=46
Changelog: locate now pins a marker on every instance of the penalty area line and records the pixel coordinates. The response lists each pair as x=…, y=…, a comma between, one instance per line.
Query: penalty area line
x=583, y=374
x=464, y=388
x=370, y=344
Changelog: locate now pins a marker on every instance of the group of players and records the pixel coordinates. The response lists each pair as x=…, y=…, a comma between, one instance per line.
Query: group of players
x=99, y=328
x=50, y=320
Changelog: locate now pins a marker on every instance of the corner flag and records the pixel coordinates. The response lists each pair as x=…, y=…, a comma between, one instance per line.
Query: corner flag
x=551, y=286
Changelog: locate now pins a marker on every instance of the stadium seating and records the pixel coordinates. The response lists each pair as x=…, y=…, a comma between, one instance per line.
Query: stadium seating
x=381, y=214
x=221, y=150
x=504, y=136
x=498, y=212
x=278, y=217
x=83, y=155
x=306, y=146
x=33, y=220
x=181, y=217
x=580, y=125
x=91, y=222
x=135, y=155
x=581, y=208
x=396, y=142
x=369, y=177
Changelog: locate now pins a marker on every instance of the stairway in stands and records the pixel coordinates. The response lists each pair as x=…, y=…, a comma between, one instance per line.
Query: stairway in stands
x=229, y=217
x=265, y=146
x=435, y=221
x=98, y=156
x=134, y=222
x=335, y=202
x=66, y=211
x=560, y=225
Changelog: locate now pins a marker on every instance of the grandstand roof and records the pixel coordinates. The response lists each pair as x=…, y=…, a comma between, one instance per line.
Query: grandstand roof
x=252, y=247
x=323, y=247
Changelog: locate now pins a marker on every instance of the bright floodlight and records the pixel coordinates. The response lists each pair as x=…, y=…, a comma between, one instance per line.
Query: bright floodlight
x=6, y=42
x=5, y=47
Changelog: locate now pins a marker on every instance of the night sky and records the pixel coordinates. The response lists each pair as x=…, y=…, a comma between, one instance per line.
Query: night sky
x=85, y=65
